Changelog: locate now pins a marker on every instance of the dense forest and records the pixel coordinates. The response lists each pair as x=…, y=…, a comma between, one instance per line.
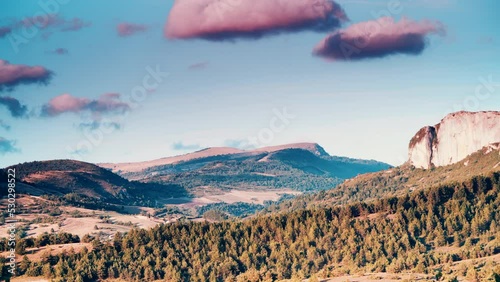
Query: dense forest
x=395, y=234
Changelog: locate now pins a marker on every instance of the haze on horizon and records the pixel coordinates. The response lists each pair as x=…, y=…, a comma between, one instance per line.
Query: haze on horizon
x=145, y=83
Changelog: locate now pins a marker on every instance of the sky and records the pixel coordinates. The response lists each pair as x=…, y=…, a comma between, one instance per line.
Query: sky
x=128, y=80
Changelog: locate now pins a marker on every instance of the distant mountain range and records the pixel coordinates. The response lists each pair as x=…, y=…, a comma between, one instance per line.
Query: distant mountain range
x=301, y=166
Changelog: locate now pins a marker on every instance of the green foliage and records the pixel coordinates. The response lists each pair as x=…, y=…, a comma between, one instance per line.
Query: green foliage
x=394, y=233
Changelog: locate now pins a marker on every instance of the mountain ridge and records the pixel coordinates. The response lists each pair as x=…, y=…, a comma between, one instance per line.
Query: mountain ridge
x=210, y=152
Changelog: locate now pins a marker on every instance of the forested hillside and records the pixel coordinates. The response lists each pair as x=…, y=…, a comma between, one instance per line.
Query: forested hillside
x=424, y=232
x=396, y=181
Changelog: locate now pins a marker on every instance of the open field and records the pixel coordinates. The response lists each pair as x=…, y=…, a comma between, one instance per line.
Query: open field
x=36, y=219
x=255, y=197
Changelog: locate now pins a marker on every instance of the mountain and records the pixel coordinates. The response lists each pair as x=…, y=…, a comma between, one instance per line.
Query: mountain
x=124, y=168
x=140, y=166
x=86, y=182
x=454, y=138
x=301, y=166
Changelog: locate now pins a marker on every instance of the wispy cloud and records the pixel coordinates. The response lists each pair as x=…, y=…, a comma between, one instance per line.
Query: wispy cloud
x=8, y=146
x=99, y=124
x=12, y=76
x=198, y=66
x=243, y=144
x=486, y=40
x=4, y=125
x=230, y=19
x=179, y=146
x=15, y=107
x=48, y=23
x=126, y=29
x=378, y=38
x=59, y=51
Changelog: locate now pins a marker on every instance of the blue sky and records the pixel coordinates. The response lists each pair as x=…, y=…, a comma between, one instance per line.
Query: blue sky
x=364, y=109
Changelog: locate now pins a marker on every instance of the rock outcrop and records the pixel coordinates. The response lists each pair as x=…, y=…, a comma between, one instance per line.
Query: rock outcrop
x=454, y=138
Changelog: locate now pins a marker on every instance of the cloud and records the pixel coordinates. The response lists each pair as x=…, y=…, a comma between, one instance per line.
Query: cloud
x=74, y=24
x=243, y=144
x=4, y=30
x=230, y=19
x=4, y=125
x=198, y=66
x=15, y=107
x=43, y=21
x=49, y=23
x=59, y=51
x=12, y=76
x=66, y=103
x=7, y=146
x=127, y=29
x=98, y=124
x=52, y=21
x=377, y=39
x=179, y=146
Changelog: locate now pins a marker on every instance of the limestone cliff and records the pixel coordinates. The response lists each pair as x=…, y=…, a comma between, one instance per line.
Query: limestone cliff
x=454, y=138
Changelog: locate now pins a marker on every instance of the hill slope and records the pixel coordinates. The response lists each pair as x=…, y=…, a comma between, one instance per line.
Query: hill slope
x=424, y=232
x=399, y=180
x=84, y=180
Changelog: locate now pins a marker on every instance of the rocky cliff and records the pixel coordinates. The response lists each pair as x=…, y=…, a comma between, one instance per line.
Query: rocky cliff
x=454, y=138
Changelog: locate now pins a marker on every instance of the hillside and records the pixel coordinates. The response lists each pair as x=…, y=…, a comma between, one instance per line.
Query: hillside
x=80, y=181
x=399, y=181
x=425, y=232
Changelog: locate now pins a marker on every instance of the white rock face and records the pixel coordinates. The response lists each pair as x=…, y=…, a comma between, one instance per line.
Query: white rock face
x=454, y=138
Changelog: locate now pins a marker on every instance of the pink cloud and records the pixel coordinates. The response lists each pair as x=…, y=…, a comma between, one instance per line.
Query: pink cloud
x=229, y=19
x=66, y=103
x=378, y=38
x=127, y=29
x=12, y=76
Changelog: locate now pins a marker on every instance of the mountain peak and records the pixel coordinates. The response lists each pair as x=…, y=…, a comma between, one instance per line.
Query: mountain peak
x=312, y=147
x=454, y=138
